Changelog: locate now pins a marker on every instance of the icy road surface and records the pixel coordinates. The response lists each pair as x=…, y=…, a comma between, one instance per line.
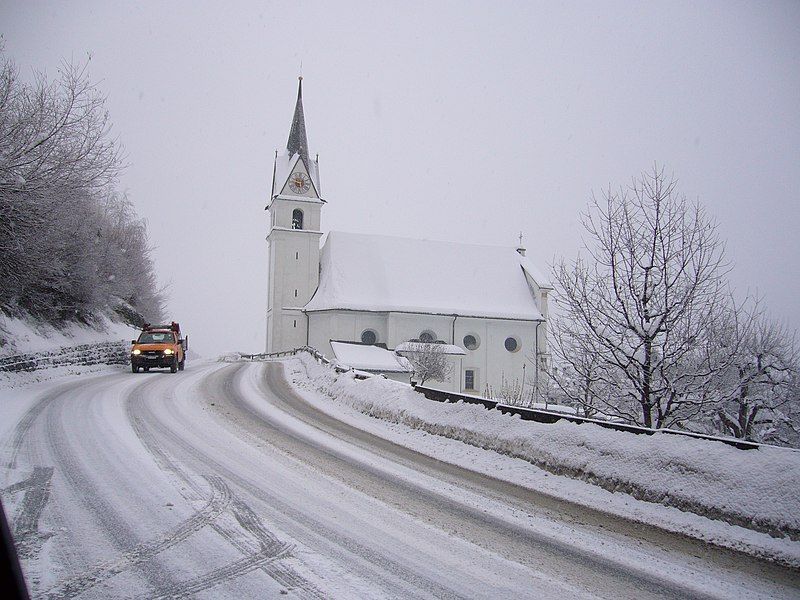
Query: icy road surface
x=220, y=482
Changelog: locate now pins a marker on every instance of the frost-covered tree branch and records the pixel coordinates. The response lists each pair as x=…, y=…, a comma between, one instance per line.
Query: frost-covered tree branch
x=758, y=391
x=69, y=244
x=430, y=361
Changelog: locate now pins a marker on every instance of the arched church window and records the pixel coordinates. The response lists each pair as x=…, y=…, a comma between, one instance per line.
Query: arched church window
x=297, y=219
x=368, y=336
x=427, y=336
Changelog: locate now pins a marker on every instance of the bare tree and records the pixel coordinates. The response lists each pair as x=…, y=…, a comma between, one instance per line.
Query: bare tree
x=430, y=361
x=759, y=388
x=638, y=315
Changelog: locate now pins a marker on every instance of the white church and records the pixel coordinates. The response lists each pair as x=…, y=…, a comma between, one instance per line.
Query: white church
x=357, y=298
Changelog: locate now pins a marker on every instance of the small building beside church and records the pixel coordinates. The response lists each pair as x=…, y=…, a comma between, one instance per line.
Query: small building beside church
x=374, y=290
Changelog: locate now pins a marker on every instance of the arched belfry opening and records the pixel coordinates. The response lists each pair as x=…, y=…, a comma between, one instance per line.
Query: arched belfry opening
x=297, y=219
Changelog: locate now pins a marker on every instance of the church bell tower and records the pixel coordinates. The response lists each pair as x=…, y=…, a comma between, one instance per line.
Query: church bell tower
x=293, y=236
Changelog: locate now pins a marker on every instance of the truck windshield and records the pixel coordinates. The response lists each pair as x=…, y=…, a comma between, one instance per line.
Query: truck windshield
x=155, y=337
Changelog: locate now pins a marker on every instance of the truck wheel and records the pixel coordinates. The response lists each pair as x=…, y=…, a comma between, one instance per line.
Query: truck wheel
x=134, y=368
x=174, y=366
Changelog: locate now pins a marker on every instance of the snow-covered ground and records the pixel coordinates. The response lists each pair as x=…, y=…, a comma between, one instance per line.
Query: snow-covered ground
x=222, y=481
x=743, y=499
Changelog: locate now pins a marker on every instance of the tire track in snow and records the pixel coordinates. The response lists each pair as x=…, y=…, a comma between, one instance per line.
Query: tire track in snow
x=219, y=576
x=373, y=565
x=26, y=523
x=219, y=501
x=17, y=439
x=268, y=547
x=77, y=459
x=42, y=435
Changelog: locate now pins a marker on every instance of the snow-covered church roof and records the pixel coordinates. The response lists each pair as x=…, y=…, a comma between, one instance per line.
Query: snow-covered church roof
x=391, y=274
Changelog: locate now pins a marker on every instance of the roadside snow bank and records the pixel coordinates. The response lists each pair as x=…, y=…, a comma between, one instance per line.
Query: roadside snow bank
x=19, y=336
x=31, y=352
x=756, y=489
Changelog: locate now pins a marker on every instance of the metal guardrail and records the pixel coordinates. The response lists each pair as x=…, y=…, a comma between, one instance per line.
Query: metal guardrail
x=316, y=354
x=263, y=356
x=545, y=416
x=526, y=414
x=110, y=353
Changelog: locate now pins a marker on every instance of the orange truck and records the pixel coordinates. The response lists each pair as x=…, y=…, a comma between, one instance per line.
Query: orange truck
x=159, y=346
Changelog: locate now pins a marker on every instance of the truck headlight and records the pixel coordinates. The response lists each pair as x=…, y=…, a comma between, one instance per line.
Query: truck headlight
x=169, y=351
x=136, y=351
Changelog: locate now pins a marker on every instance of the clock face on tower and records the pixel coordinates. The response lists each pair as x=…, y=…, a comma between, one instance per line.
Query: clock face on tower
x=299, y=183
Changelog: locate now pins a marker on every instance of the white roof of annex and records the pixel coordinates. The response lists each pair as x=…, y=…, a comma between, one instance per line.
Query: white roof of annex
x=390, y=274
x=370, y=358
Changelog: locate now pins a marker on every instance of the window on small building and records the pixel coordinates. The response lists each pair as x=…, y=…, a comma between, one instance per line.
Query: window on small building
x=295, y=293
x=297, y=219
x=471, y=342
x=427, y=336
x=469, y=379
x=368, y=336
x=512, y=344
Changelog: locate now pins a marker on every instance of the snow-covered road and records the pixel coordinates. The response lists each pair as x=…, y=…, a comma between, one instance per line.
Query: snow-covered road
x=221, y=482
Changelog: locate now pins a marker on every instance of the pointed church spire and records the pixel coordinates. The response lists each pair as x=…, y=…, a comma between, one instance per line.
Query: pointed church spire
x=298, y=142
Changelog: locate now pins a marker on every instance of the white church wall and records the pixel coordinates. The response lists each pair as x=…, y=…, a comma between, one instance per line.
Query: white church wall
x=502, y=364
x=490, y=362
x=376, y=322
x=321, y=327
x=408, y=326
x=293, y=267
x=292, y=331
x=476, y=359
x=281, y=213
x=344, y=326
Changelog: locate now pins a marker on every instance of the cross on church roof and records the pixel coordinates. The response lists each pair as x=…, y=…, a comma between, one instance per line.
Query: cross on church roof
x=298, y=142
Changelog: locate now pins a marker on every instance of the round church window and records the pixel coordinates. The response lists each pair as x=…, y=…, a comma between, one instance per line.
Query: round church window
x=369, y=337
x=511, y=344
x=471, y=342
x=427, y=336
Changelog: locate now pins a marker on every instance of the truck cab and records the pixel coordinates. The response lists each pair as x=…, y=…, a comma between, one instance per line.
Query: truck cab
x=159, y=346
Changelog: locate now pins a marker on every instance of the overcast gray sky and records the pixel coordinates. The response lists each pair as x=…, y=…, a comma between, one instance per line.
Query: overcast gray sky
x=464, y=121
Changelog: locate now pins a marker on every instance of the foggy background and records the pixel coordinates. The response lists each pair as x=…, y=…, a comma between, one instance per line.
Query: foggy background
x=462, y=121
